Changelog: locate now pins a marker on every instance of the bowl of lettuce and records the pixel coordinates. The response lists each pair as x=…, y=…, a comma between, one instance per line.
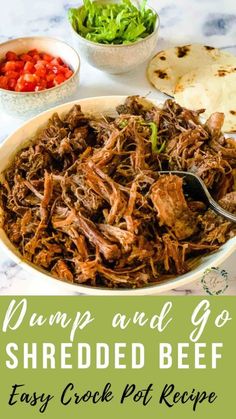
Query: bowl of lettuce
x=114, y=36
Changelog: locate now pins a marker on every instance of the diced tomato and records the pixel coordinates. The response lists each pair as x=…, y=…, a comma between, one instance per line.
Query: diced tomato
x=24, y=86
x=31, y=78
x=32, y=71
x=42, y=85
x=68, y=73
x=36, y=58
x=62, y=69
x=50, y=76
x=41, y=72
x=9, y=66
x=26, y=57
x=50, y=84
x=55, y=62
x=55, y=69
x=19, y=65
x=11, y=56
x=59, y=60
x=60, y=78
x=29, y=67
x=30, y=87
x=3, y=82
x=40, y=64
x=32, y=52
x=12, y=74
x=20, y=84
x=12, y=84
x=47, y=57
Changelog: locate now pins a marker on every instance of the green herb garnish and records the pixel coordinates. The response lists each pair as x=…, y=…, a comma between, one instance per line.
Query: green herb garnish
x=113, y=23
x=162, y=147
x=153, y=137
x=156, y=146
x=123, y=124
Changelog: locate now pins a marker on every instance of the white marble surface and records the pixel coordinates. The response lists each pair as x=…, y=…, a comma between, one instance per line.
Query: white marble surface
x=212, y=22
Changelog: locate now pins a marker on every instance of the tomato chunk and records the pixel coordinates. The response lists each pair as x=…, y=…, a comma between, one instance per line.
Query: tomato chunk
x=3, y=82
x=41, y=72
x=11, y=56
x=11, y=74
x=29, y=67
x=68, y=73
x=47, y=57
x=32, y=52
x=9, y=66
x=11, y=84
x=26, y=57
x=60, y=78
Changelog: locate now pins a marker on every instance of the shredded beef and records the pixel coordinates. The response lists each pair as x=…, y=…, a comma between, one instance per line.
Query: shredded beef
x=85, y=200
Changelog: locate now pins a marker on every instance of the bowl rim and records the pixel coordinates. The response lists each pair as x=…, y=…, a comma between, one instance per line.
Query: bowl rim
x=50, y=38
x=220, y=255
x=154, y=32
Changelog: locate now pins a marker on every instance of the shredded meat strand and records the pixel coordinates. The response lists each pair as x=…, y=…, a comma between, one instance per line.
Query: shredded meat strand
x=168, y=199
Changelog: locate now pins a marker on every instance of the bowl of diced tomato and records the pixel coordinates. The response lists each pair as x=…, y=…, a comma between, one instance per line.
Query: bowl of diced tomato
x=36, y=73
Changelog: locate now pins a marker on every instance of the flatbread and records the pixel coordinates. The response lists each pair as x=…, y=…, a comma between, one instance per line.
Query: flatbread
x=212, y=88
x=166, y=67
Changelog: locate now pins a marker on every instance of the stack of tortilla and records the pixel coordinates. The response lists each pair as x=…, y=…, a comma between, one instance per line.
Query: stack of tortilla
x=198, y=76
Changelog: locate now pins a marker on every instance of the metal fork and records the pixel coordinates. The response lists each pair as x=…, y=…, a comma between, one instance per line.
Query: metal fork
x=195, y=187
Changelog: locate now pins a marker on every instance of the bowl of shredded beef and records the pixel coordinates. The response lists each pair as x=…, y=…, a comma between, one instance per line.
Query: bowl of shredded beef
x=82, y=199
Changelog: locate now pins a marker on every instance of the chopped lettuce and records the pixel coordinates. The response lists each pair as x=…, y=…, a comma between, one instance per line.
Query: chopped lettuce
x=113, y=23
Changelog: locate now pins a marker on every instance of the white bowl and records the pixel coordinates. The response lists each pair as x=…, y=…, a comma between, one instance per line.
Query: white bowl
x=17, y=140
x=116, y=59
x=23, y=104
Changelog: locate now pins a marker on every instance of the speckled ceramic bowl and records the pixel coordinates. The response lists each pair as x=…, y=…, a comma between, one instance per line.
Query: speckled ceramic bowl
x=16, y=141
x=24, y=104
x=116, y=59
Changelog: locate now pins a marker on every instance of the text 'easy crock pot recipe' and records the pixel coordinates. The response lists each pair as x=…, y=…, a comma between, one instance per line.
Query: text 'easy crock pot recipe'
x=32, y=71
x=86, y=202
